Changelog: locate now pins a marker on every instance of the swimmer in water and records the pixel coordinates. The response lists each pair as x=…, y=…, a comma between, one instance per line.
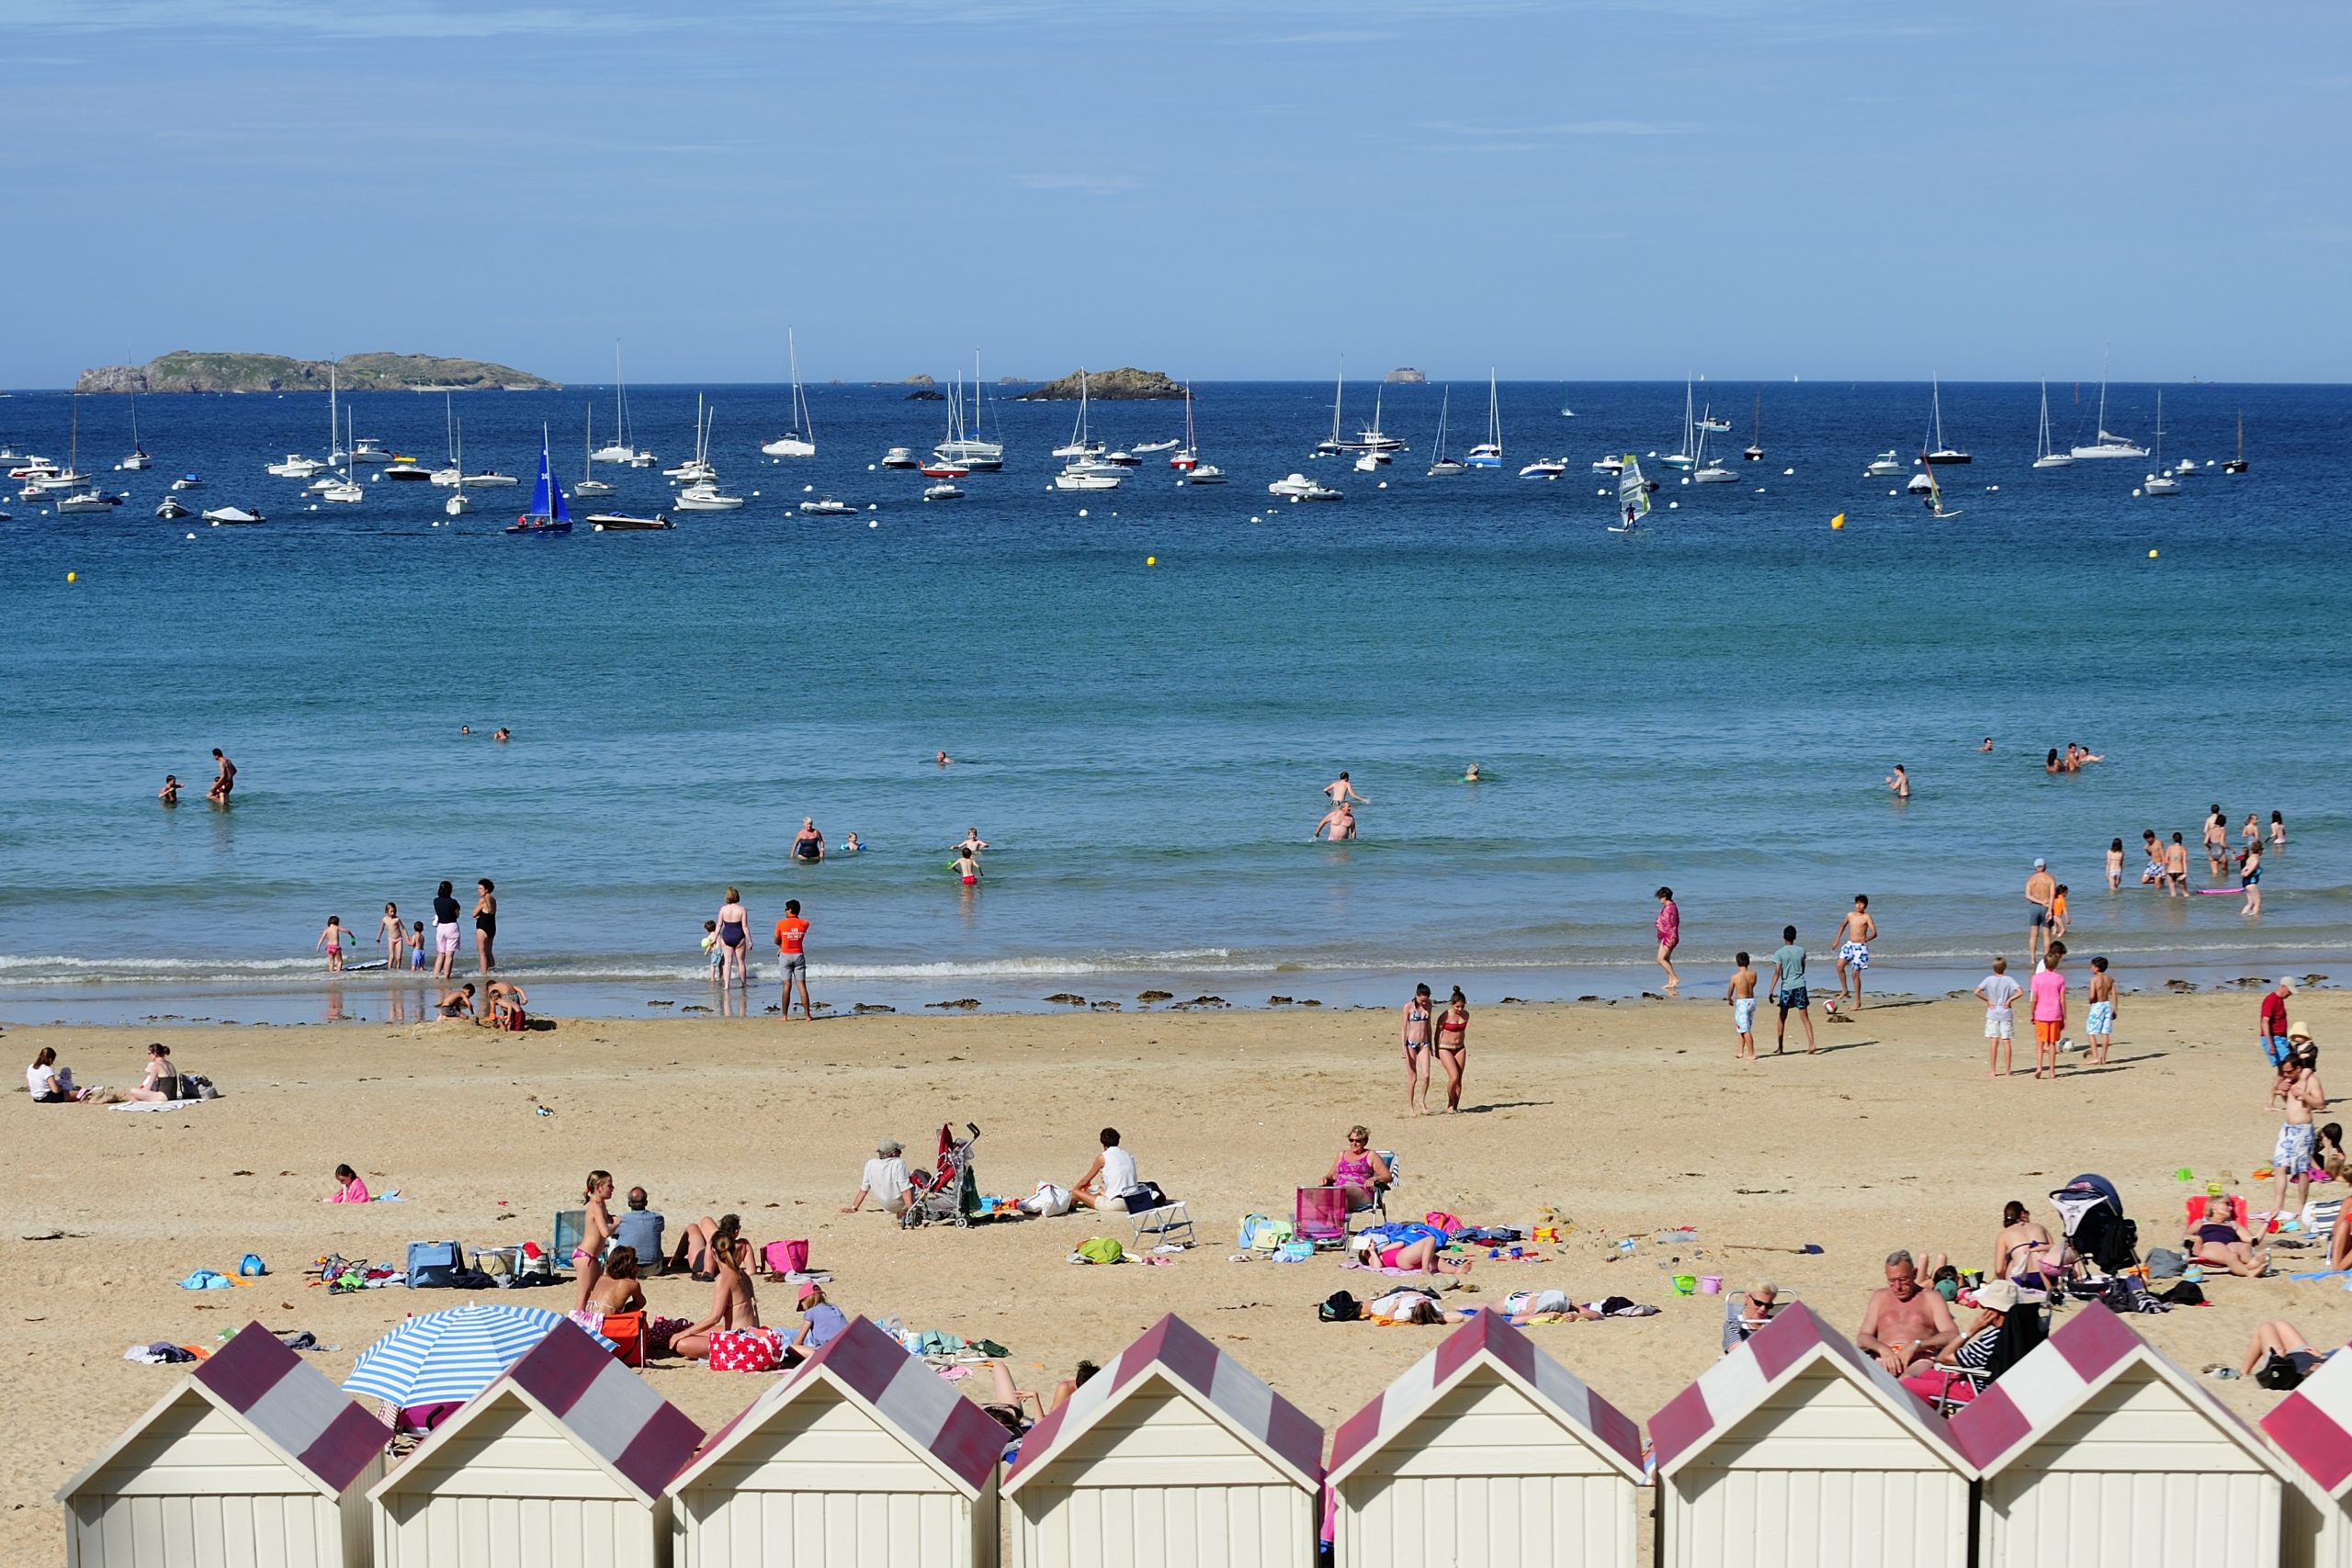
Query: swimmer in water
x=1470, y=773
x=944, y=759
x=965, y=866
x=1338, y=823
x=850, y=846
x=808, y=845
x=501, y=734
x=1342, y=792
x=1987, y=746
x=169, y=793
x=973, y=842
x=1900, y=782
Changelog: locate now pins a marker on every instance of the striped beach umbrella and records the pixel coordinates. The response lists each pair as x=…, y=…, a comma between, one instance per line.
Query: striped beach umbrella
x=440, y=1356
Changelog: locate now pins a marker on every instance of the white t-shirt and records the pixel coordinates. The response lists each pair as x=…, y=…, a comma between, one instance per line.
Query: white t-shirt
x=886, y=1180
x=2000, y=992
x=41, y=1080
x=1119, y=1173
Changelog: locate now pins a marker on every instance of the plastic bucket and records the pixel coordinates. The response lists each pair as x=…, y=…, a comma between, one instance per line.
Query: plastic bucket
x=1685, y=1283
x=1711, y=1284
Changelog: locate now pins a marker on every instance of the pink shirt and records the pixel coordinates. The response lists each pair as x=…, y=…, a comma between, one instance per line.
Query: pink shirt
x=355, y=1193
x=1669, y=924
x=2049, y=996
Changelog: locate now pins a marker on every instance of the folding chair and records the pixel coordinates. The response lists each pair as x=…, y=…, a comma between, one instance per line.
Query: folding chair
x=1319, y=1215
x=1380, y=1190
x=1737, y=1326
x=1166, y=1221
x=626, y=1331
x=571, y=1230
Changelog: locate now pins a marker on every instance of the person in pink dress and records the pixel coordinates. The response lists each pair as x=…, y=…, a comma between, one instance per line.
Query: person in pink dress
x=1669, y=935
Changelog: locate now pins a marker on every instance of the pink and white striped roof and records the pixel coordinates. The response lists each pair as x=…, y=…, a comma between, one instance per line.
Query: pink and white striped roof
x=2089, y=1351
x=1487, y=1340
x=607, y=1411
x=953, y=1435
x=1794, y=1341
x=1228, y=1391
x=2314, y=1425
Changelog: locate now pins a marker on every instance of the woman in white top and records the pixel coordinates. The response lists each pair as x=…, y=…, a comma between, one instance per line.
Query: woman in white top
x=1117, y=1170
x=49, y=1083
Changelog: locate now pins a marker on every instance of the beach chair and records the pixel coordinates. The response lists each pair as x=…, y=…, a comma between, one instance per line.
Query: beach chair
x=626, y=1331
x=1737, y=1326
x=571, y=1230
x=1162, y=1220
x=1319, y=1215
x=1380, y=1190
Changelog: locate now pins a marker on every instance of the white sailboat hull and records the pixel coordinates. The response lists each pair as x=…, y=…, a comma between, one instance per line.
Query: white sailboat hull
x=789, y=447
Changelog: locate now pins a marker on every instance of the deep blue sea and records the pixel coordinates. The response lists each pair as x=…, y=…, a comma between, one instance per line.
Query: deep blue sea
x=1711, y=705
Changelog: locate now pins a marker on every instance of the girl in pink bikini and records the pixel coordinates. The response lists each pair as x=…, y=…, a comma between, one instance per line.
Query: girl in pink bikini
x=596, y=1230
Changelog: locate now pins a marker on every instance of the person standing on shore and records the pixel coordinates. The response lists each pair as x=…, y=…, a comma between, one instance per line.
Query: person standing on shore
x=791, y=941
x=224, y=778
x=1453, y=1046
x=735, y=941
x=2049, y=1011
x=1418, y=1051
x=2297, y=1088
x=2040, y=892
x=2098, y=1024
x=444, y=932
x=1999, y=992
x=2275, y=1045
x=1741, y=995
x=1855, y=935
x=394, y=934
x=1788, y=990
x=1670, y=936
x=486, y=925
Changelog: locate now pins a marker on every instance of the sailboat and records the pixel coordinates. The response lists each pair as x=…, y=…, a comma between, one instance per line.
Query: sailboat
x=1081, y=441
x=2237, y=464
x=2108, y=445
x=589, y=483
x=1685, y=457
x=1373, y=439
x=1711, y=470
x=457, y=505
x=800, y=439
x=1488, y=454
x=137, y=458
x=970, y=448
x=696, y=468
x=1444, y=467
x=344, y=491
x=1942, y=452
x=1331, y=445
x=1755, y=450
x=2161, y=482
x=81, y=496
x=1632, y=496
x=549, y=514
x=336, y=453
x=1936, y=497
x=944, y=468
x=1566, y=411
x=1187, y=457
x=453, y=471
x=2045, y=455
x=619, y=449
x=704, y=495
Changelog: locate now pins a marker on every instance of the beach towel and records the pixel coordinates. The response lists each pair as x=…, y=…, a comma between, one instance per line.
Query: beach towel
x=206, y=1280
x=746, y=1350
x=157, y=1105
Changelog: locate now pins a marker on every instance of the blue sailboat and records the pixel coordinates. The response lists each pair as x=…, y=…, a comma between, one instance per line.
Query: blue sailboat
x=549, y=514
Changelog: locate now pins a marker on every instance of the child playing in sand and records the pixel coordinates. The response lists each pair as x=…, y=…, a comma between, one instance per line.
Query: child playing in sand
x=348, y=1188
x=331, y=940
x=2099, y=1022
x=458, y=1003
x=1741, y=995
x=710, y=947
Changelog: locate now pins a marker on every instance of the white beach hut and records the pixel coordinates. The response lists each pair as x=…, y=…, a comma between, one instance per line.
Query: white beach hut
x=1487, y=1452
x=1175, y=1454
x=863, y=1455
x=256, y=1460
x=1796, y=1450
x=2097, y=1446
x=561, y=1461
x=2313, y=1426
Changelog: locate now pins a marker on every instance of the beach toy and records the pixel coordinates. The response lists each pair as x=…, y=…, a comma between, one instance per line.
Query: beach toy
x=1682, y=1236
x=1711, y=1284
x=2182, y=1175
x=1685, y=1283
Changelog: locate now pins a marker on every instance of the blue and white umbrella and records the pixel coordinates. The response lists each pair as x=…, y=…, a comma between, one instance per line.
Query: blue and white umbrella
x=452, y=1355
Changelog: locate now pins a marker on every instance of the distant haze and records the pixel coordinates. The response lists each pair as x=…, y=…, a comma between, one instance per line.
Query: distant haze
x=1752, y=190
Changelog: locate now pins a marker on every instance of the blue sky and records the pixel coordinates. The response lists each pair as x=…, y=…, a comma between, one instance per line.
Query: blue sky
x=1744, y=189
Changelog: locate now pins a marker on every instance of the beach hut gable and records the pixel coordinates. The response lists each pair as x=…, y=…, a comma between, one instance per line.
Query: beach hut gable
x=1795, y=1345
x=1175, y=1355
x=637, y=1438
x=951, y=1436
x=2314, y=1427
x=2066, y=1374
x=1487, y=1343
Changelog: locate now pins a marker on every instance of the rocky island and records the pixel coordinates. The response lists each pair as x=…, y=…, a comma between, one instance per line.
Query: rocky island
x=189, y=370
x=1404, y=375
x=1125, y=384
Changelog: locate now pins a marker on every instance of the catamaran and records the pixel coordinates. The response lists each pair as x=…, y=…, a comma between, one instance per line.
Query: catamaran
x=800, y=439
x=1445, y=466
x=549, y=514
x=2045, y=455
x=1488, y=454
x=2108, y=445
x=1942, y=452
x=1632, y=496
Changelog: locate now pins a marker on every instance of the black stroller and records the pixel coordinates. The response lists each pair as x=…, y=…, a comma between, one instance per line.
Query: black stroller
x=2097, y=1235
x=948, y=1192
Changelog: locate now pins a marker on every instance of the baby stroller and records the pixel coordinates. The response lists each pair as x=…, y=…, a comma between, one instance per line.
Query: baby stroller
x=2097, y=1235
x=947, y=1192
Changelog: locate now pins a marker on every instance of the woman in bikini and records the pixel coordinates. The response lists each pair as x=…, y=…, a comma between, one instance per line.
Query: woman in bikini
x=2025, y=1252
x=1358, y=1168
x=733, y=1304
x=594, y=1232
x=734, y=940
x=616, y=1292
x=1453, y=1046
x=1417, y=1053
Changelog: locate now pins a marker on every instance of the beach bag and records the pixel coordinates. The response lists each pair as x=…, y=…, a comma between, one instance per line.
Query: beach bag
x=434, y=1265
x=533, y=1263
x=1339, y=1307
x=1272, y=1236
x=1246, y=1236
x=1438, y=1218
x=786, y=1258
x=195, y=1086
x=1102, y=1249
x=1295, y=1252
x=746, y=1350
x=251, y=1267
x=1047, y=1202
x=498, y=1262
x=2164, y=1263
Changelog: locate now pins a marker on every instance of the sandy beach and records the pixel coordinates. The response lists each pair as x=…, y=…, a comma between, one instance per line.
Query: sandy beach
x=1629, y=1118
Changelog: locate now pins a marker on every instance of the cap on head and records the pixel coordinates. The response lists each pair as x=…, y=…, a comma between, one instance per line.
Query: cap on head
x=811, y=1292
x=889, y=1148
x=2040, y=865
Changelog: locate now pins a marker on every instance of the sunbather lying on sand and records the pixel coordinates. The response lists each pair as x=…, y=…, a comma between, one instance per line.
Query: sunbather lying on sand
x=1419, y=1257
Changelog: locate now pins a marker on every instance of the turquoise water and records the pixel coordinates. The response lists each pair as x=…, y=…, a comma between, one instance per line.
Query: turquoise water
x=1712, y=706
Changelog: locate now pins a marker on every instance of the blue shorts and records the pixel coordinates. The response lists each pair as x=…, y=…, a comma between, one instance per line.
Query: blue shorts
x=2101, y=1020
x=2275, y=1049
x=1794, y=1000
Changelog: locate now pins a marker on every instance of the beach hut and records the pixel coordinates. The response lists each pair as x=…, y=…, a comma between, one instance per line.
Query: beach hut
x=1797, y=1450
x=2096, y=1445
x=863, y=1455
x=563, y=1461
x=2313, y=1426
x=1486, y=1452
x=1174, y=1454
x=256, y=1460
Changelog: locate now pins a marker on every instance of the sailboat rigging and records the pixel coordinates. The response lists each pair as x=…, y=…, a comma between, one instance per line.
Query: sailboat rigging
x=2109, y=444
x=1755, y=450
x=1488, y=454
x=2046, y=456
x=549, y=514
x=1444, y=467
x=800, y=439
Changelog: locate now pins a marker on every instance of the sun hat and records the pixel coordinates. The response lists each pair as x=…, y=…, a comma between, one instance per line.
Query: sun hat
x=889, y=1148
x=2299, y=1031
x=1997, y=1295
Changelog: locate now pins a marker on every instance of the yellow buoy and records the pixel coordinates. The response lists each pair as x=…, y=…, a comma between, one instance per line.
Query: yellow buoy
x=2151, y=555
x=1838, y=521
x=1151, y=560
x=69, y=576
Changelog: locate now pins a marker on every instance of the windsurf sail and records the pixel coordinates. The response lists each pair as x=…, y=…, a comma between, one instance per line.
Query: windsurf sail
x=1632, y=493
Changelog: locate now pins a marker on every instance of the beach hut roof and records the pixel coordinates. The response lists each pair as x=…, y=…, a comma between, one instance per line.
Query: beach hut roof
x=2314, y=1425
x=287, y=1405
x=2059, y=1375
x=1224, y=1389
x=874, y=1374
x=610, y=1414
x=1487, y=1340
x=1795, y=1342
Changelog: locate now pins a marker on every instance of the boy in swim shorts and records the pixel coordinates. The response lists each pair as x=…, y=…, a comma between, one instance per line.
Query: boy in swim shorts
x=2099, y=1022
x=1855, y=934
x=1789, y=992
x=1741, y=995
x=2049, y=1011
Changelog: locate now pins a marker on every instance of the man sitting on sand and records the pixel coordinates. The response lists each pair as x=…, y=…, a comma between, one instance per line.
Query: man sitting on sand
x=1905, y=1324
x=1121, y=1188
x=640, y=1228
x=886, y=1179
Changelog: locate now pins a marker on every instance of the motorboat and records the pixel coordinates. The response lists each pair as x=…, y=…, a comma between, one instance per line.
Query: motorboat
x=1145, y=449
x=622, y=523
x=1372, y=439
x=800, y=440
x=86, y=500
x=407, y=469
x=826, y=506
x=1204, y=474
x=1123, y=459
x=458, y=504
x=170, y=509
x=1612, y=464
x=2188, y=466
x=232, y=517
x=1077, y=478
x=294, y=467
x=1545, y=469
x=1886, y=466
x=1713, y=425
x=899, y=457
x=943, y=491
x=368, y=450
x=705, y=497
x=491, y=480
x=324, y=483
x=450, y=476
x=1298, y=487
x=695, y=470
x=940, y=468
x=188, y=482
x=1097, y=467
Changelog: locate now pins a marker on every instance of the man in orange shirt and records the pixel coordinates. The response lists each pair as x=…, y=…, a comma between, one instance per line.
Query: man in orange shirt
x=791, y=936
